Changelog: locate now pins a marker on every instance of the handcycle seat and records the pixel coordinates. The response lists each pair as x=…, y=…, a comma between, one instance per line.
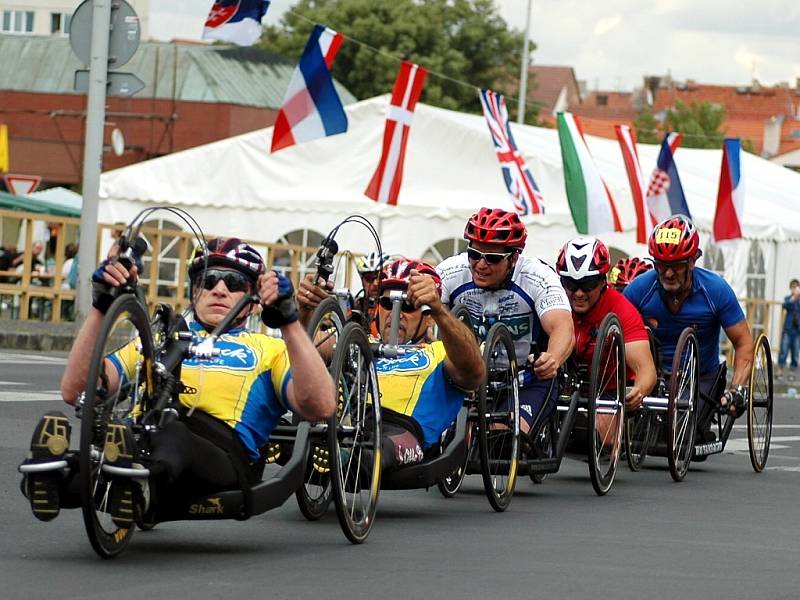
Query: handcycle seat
x=428, y=472
x=241, y=504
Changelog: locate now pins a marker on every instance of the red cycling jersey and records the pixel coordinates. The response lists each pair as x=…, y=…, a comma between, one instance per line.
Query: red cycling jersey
x=588, y=324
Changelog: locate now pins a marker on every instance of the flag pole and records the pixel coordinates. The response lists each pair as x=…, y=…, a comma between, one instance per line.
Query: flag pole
x=523, y=76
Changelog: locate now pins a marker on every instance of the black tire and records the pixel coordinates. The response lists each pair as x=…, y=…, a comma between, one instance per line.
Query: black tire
x=606, y=404
x=682, y=404
x=314, y=496
x=451, y=483
x=354, y=434
x=498, y=418
x=325, y=327
x=759, y=405
x=124, y=322
x=639, y=436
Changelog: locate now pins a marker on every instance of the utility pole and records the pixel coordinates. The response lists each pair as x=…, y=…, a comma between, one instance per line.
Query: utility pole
x=523, y=76
x=93, y=151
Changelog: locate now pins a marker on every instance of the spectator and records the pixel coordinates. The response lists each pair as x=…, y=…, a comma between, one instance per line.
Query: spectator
x=790, y=335
x=70, y=252
x=36, y=262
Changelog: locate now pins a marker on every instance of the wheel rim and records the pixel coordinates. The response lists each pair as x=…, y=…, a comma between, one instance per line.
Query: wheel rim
x=759, y=408
x=499, y=418
x=325, y=328
x=125, y=327
x=606, y=405
x=682, y=405
x=638, y=428
x=354, y=435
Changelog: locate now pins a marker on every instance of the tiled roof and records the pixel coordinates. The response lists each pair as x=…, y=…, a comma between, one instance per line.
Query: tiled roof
x=547, y=85
x=204, y=73
x=608, y=105
x=747, y=101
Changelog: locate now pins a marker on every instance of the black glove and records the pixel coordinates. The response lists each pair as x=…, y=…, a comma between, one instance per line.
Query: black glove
x=284, y=310
x=102, y=292
x=736, y=398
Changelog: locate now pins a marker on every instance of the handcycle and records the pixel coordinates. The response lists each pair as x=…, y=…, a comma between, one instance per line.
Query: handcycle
x=758, y=404
x=669, y=416
x=146, y=401
x=494, y=434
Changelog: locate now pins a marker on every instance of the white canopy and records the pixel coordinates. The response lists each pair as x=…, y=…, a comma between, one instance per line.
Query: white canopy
x=236, y=187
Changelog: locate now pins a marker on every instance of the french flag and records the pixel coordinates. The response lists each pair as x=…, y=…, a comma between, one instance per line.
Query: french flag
x=730, y=199
x=237, y=21
x=665, y=195
x=312, y=108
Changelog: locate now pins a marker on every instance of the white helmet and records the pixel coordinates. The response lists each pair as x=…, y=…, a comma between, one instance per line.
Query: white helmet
x=583, y=257
x=372, y=262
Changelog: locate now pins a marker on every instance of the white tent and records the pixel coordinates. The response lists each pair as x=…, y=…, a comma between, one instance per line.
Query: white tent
x=235, y=186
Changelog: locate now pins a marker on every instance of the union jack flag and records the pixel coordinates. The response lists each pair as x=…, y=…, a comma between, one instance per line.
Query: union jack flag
x=518, y=178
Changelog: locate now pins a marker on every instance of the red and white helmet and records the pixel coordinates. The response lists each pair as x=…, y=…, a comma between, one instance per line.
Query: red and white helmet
x=627, y=269
x=583, y=257
x=674, y=239
x=496, y=226
x=398, y=274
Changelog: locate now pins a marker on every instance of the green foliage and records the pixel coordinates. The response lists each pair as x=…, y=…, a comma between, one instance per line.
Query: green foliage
x=465, y=40
x=646, y=127
x=699, y=123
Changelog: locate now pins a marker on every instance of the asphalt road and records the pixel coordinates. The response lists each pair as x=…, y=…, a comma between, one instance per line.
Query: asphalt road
x=725, y=532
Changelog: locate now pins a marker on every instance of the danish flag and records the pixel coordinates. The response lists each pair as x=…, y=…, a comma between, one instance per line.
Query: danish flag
x=518, y=178
x=385, y=184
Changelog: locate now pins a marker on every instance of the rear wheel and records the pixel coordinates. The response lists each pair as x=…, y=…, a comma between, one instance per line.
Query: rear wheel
x=606, y=405
x=682, y=404
x=354, y=434
x=498, y=418
x=125, y=333
x=639, y=434
x=759, y=406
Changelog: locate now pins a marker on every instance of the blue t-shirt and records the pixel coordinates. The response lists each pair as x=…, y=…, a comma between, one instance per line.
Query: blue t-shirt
x=710, y=306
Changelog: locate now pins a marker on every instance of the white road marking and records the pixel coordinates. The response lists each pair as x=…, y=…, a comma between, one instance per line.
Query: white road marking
x=29, y=396
x=15, y=358
x=2, y=383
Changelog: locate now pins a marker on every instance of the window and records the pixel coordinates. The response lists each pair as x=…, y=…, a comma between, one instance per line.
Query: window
x=713, y=259
x=444, y=249
x=756, y=288
x=17, y=21
x=168, y=257
x=305, y=256
x=59, y=23
x=602, y=100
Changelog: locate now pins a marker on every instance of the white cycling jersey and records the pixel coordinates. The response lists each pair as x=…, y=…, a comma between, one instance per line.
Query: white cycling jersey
x=533, y=290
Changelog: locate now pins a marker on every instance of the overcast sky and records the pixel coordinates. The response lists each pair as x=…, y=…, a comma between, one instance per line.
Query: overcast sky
x=612, y=44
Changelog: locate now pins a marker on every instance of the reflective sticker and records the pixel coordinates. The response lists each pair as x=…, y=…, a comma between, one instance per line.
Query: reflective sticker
x=671, y=235
x=613, y=275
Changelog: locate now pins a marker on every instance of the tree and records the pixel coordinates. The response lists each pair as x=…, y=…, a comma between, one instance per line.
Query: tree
x=699, y=123
x=465, y=40
x=646, y=127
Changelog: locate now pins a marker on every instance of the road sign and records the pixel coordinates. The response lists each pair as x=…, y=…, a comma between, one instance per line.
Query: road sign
x=123, y=37
x=117, y=84
x=21, y=185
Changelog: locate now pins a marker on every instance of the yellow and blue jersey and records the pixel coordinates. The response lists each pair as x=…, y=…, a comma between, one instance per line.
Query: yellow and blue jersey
x=416, y=385
x=245, y=386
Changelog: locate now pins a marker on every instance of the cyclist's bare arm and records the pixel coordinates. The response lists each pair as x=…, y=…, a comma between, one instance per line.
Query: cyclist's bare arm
x=310, y=392
x=73, y=382
x=742, y=341
x=557, y=324
x=639, y=360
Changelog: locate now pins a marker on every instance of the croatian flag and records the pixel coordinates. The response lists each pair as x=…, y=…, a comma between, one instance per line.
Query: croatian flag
x=237, y=21
x=518, y=178
x=665, y=193
x=730, y=199
x=385, y=184
x=312, y=108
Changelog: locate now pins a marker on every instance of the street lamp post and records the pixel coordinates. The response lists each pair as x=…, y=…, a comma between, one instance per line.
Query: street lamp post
x=523, y=76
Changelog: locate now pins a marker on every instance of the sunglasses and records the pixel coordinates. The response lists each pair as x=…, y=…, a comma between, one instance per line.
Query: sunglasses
x=492, y=258
x=584, y=285
x=234, y=281
x=387, y=304
x=678, y=265
x=369, y=277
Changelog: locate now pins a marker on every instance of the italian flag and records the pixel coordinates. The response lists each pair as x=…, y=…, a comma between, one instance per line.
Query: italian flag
x=590, y=200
